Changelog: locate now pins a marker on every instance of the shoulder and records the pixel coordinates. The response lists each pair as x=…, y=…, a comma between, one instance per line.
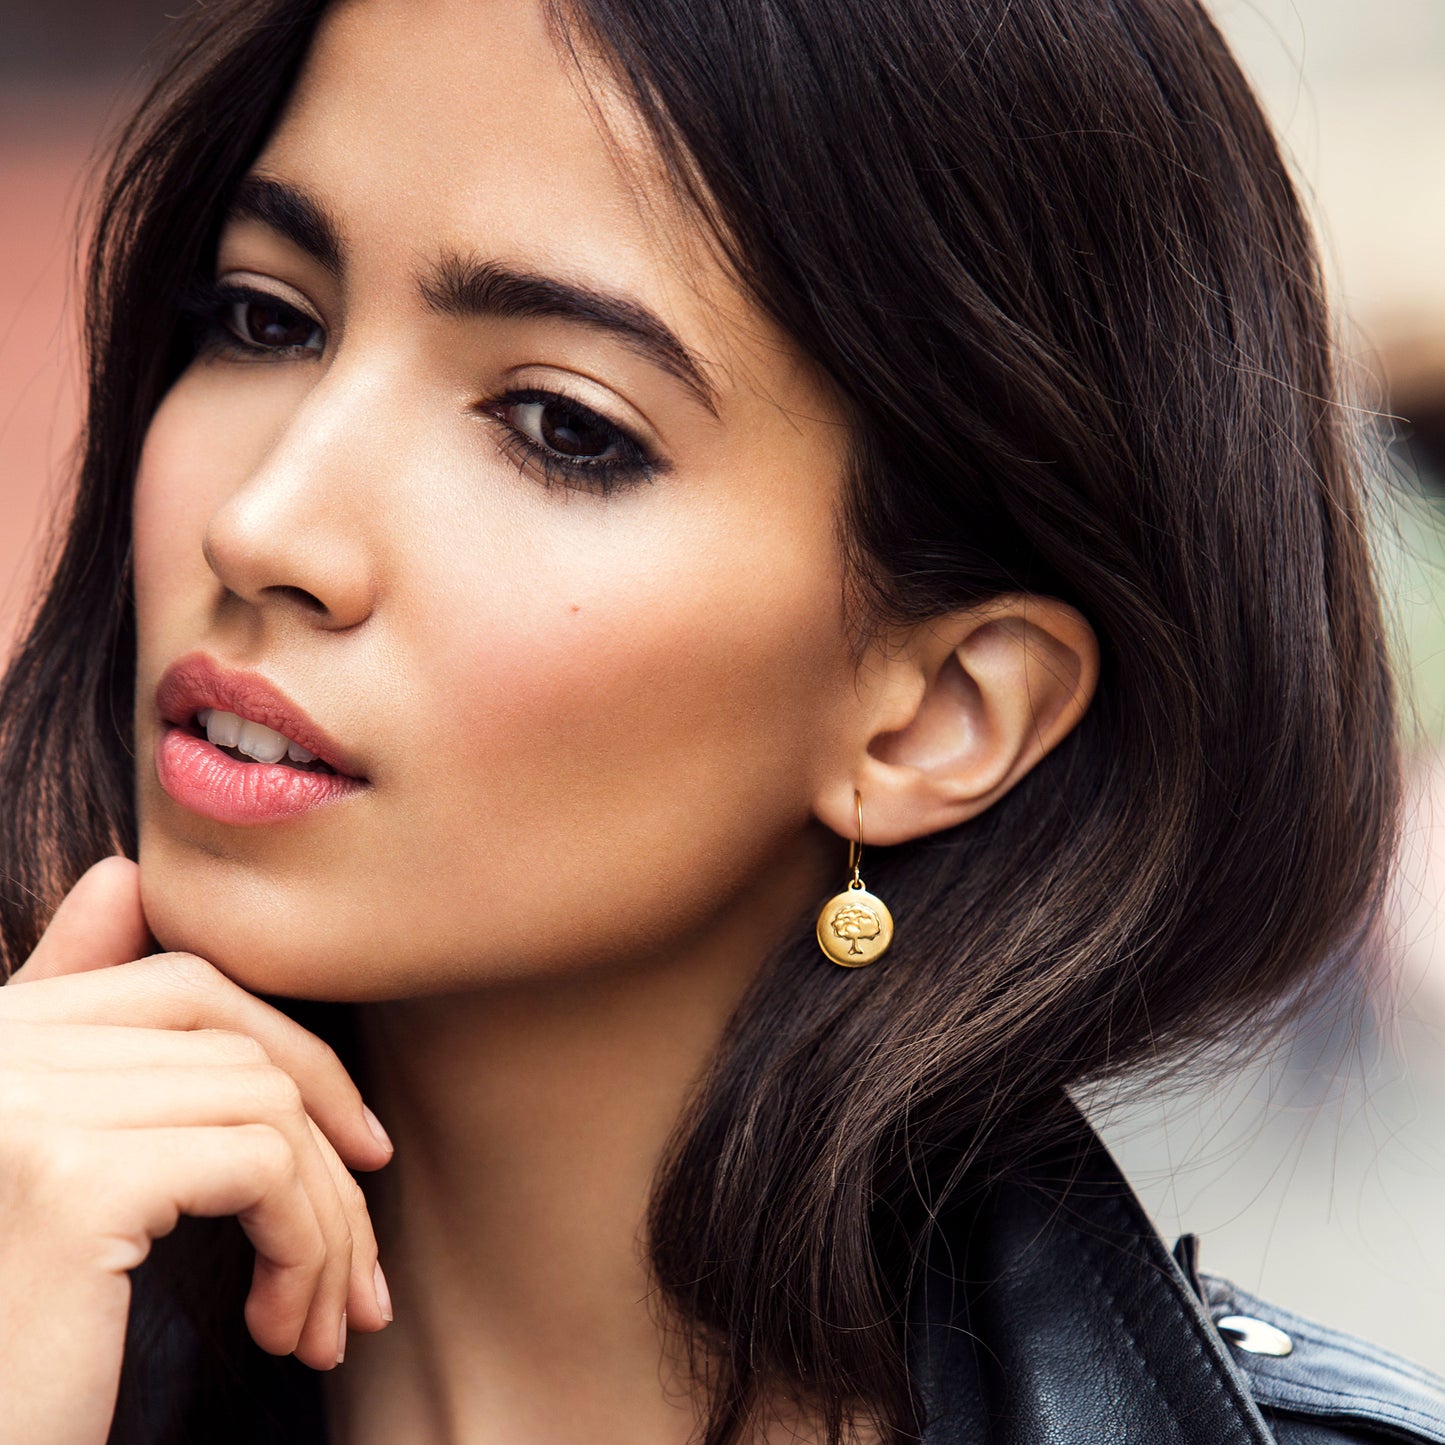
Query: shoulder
x=1051, y=1310
x=1319, y=1386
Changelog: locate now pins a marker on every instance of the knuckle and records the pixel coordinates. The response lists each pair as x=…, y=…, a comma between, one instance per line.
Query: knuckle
x=236, y=1047
x=184, y=972
x=320, y=1053
x=273, y=1157
x=274, y=1092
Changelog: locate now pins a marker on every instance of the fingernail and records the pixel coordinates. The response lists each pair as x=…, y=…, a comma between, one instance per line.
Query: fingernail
x=383, y=1295
x=341, y=1340
x=374, y=1124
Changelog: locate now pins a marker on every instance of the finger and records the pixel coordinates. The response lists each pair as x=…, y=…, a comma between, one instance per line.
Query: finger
x=114, y=1046
x=99, y=923
x=154, y=1097
x=248, y=1170
x=326, y=1324
x=180, y=991
x=325, y=1327
x=364, y=1308
x=176, y=1096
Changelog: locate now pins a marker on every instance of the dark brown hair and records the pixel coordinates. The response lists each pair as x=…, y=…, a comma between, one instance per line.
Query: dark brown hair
x=1049, y=256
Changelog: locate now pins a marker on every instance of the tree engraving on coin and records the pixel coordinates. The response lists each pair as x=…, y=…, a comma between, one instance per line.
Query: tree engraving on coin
x=855, y=923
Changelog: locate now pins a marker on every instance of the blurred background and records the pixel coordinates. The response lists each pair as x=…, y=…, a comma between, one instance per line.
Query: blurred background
x=1315, y=1176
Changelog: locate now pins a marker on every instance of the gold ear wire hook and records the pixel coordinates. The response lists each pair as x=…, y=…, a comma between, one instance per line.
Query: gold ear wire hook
x=855, y=850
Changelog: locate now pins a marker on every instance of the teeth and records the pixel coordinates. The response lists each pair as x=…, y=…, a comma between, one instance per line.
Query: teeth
x=223, y=728
x=265, y=745
x=261, y=743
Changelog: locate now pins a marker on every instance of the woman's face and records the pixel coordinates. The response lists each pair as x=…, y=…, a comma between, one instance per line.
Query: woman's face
x=488, y=485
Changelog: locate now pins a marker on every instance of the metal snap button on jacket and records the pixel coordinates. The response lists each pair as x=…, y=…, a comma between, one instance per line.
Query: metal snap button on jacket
x=1256, y=1337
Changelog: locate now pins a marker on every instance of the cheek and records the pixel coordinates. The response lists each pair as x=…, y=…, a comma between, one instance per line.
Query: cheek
x=175, y=494
x=705, y=658
x=202, y=442
x=638, y=719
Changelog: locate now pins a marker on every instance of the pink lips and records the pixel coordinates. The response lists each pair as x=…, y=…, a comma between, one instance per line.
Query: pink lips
x=202, y=778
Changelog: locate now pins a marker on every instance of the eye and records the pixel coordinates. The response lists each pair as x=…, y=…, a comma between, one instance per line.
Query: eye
x=270, y=324
x=568, y=429
x=569, y=442
x=244, y=321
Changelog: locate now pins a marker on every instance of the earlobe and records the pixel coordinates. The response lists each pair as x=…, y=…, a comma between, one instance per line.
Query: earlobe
x=970, y=703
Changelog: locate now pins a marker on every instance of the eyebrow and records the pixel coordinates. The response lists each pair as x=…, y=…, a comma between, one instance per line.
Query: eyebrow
x=459, y=287
x=290, y=213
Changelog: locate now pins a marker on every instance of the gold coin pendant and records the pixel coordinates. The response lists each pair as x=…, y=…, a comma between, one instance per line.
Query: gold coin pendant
x=855, y=927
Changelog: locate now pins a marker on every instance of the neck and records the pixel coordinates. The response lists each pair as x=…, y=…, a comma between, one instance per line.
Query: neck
x=530, y=1119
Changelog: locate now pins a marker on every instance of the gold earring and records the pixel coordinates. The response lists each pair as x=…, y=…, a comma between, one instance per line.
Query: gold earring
x=855, y=927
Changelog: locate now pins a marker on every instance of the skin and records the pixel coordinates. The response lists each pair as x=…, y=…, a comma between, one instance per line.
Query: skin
x=611, y=740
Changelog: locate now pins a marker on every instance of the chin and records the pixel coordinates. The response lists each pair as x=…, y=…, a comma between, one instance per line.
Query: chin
x=287, y=933
x=250, y=954
x=268, y=937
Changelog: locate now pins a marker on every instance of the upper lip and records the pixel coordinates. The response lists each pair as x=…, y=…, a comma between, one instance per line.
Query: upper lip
x=197, y=682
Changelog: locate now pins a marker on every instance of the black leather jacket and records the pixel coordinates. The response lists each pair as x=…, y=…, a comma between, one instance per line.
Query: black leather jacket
x=1050, y=1315
x=1056, y=1316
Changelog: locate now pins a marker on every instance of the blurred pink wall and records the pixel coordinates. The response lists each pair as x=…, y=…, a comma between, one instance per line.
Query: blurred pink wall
x=45, y=143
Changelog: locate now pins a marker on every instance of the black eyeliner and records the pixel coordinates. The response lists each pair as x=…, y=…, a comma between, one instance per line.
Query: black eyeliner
x=602, y=477
x=203, y=303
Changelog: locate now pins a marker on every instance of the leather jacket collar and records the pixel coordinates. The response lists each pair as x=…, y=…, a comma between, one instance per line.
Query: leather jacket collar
x=1055, y=1314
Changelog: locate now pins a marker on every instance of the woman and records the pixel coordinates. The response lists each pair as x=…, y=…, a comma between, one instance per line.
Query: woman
x=559, y=483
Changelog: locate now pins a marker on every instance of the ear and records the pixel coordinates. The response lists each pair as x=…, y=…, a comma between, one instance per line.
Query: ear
x=960, y=708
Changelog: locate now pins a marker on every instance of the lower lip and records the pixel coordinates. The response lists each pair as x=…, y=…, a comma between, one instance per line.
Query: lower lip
x=215, y=785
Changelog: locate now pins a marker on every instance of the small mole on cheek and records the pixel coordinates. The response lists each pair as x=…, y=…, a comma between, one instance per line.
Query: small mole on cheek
x=576, y=607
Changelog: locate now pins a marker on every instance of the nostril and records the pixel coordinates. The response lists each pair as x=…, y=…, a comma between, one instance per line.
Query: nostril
x=299, y=595
x=274, y=563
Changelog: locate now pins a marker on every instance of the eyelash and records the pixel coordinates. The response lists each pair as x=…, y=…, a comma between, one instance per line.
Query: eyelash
x=635, y=464
x=207, y=304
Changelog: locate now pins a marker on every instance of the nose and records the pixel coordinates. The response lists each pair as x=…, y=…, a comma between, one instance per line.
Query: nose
x=293, y=537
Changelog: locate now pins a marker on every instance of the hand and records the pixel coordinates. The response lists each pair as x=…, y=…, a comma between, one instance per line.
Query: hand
x=134, y=1090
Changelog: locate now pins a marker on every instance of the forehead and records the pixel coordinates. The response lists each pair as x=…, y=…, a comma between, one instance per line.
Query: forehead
x=467, y=127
